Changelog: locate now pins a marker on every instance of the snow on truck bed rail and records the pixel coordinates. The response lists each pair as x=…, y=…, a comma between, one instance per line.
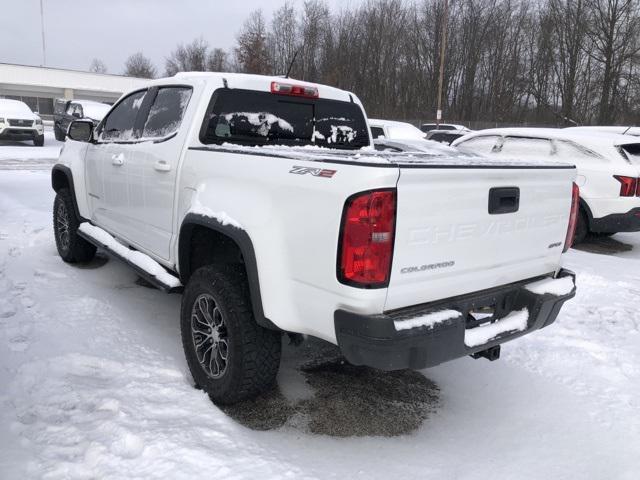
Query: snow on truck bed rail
x=369, y=155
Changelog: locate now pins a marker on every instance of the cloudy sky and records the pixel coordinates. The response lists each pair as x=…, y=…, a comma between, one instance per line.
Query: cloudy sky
x=76, y=31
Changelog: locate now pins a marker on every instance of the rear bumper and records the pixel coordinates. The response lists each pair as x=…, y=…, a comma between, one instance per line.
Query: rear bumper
x=373, y=340
x=617, y=222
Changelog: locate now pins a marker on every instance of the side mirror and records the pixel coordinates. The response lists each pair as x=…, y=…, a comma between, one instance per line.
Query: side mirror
x=81, y=130
x=76, y=115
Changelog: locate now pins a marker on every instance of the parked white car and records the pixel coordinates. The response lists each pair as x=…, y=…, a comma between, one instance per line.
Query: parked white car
x=620, y=130
x=18, y=122
x=393, y=130
x=608, y=169
x=263, y=197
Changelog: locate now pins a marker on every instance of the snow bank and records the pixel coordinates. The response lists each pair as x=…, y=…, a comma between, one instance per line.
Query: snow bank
x=554, y=286
x=139, y=259
x=514, y=322
x=429, y=320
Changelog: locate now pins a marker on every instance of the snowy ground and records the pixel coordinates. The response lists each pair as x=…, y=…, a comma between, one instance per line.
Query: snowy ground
x=93, y=383
x=21, y=155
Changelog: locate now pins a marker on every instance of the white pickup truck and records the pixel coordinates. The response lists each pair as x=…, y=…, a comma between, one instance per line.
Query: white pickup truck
x=263, y=197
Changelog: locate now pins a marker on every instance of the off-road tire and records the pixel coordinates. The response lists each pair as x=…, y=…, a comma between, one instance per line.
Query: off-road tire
x=73, y=249
x=38, y=141
x=253, y=352
x=582, y=227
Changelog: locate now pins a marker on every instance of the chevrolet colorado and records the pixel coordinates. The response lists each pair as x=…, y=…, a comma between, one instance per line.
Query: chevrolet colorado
x=261, y=200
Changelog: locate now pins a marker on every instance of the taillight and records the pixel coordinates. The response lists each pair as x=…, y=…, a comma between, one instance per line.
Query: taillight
x=638, y=189
x=628, y=185
x=366, y=243
x=294, y=90
x=573, y=218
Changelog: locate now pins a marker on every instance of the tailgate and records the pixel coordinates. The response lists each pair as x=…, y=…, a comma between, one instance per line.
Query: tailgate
x=448, y=243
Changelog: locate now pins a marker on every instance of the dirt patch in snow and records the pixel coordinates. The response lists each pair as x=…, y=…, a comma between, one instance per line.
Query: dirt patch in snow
x=603, y=245
x=343, y=400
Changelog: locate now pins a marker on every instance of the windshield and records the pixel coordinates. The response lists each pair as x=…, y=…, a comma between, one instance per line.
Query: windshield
x=261, y=118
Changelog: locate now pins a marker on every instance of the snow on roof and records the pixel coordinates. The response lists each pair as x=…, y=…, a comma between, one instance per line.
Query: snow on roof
x=15, y=107
x=62, y=78
x=398, y=130
x=438, y=155
x=94, y=110
x=389, y=123
x=619, y=129
x=258, y=82
x=584, y=137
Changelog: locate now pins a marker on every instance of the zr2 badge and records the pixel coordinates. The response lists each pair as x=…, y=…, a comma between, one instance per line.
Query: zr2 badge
x=316, y=172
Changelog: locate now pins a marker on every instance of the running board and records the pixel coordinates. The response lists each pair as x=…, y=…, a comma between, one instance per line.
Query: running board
x=144, y=265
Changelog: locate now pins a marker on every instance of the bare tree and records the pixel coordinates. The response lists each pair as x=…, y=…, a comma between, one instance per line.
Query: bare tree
x=613, y=30
x=218, y=60
x=137, y=65
x=251, y=51
x=283, y=40
x=507, y=61
x=97, y=66
x=192, y=57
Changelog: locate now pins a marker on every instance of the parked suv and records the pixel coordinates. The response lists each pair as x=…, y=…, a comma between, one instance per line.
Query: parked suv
x=18, y=122
x=263, y=202
x=66, y=111
x=608, y=169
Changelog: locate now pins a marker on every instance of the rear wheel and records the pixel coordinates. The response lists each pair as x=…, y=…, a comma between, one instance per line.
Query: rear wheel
x=582, y=227
x=229, y=355
x=71, y=247
x=38, y=141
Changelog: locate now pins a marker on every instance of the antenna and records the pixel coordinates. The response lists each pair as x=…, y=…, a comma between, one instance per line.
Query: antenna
x=625, y=132
x=295, y=55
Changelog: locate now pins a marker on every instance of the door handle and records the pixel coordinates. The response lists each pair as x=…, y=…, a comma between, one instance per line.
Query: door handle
x=161, y=166
x=504, y=200
x=117, y=160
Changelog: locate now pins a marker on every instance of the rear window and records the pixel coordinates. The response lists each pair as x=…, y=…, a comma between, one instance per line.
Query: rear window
x=632, y=152
x=526, y=147
x=261, y=118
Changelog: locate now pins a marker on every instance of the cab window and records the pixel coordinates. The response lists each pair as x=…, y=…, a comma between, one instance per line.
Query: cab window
x=166, y=112
x=119, y=125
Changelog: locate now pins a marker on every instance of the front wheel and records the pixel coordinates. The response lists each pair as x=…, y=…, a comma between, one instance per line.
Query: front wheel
x=71, y=247
x=229, y=355
x=38, y=141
